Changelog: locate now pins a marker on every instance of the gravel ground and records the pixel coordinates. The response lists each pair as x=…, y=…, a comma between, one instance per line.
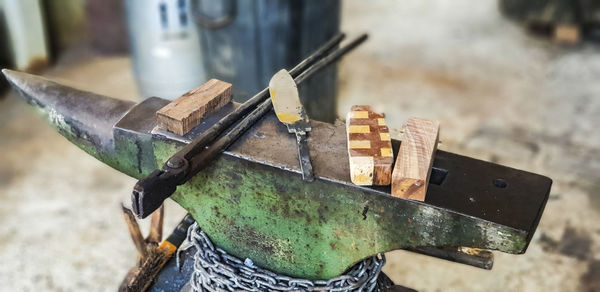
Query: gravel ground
x=500, y=94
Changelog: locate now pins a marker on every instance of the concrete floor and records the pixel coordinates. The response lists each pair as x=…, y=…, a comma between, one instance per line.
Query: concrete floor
x=500, y=94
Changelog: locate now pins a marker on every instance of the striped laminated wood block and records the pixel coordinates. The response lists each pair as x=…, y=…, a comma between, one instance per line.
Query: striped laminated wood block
x=369, y=147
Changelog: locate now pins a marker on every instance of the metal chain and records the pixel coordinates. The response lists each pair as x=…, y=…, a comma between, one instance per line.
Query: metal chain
x=215, y=270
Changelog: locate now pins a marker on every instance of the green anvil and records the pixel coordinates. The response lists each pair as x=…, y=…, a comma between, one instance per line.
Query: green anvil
x=253, y=203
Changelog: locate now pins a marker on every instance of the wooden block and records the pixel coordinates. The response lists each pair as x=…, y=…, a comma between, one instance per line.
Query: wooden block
x=566, y=34
x=413, y=164
x=186, y=112
x=369, y=147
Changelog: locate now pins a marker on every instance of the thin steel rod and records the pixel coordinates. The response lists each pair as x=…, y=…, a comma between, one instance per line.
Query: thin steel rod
x=334, y=56
x=202, y=159
x=224, y=142
x=199, y=143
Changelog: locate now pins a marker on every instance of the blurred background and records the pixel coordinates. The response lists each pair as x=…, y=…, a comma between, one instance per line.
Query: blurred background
x=513, y=82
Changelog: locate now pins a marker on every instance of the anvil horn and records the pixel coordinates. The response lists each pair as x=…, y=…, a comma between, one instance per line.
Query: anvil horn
x=83, y=117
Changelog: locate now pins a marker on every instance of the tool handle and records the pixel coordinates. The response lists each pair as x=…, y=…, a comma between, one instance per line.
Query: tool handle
x=304, y=157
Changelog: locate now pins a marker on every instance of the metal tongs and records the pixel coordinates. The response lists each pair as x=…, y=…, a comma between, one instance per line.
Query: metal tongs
x=150, y=192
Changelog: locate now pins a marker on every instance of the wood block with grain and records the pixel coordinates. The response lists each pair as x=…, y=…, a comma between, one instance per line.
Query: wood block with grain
x=187, y=111
x=415, y=158
x=369, y=147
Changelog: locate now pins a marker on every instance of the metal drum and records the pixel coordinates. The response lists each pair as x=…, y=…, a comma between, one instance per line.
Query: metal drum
x=246, y=42
x=166, y=52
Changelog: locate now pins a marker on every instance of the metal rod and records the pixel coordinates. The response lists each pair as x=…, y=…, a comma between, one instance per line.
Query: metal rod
x=199, y=161
x=202, y=159
x=316, y=55
x=329, y=59
x=199, y=143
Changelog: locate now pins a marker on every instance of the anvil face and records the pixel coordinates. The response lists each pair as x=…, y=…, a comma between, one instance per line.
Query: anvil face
x=253, y=203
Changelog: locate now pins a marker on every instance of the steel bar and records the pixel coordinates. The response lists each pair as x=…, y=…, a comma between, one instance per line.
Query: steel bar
x=334, y=56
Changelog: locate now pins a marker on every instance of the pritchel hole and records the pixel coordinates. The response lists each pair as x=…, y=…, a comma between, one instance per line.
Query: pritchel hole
x=437, y=175
x=500, y=183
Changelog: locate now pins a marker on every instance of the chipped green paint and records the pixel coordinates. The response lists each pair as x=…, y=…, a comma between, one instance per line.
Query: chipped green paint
x=317, y=230
x=314, y=230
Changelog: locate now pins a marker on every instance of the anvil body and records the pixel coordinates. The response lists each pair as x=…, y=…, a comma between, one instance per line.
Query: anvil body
x=253, y=203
